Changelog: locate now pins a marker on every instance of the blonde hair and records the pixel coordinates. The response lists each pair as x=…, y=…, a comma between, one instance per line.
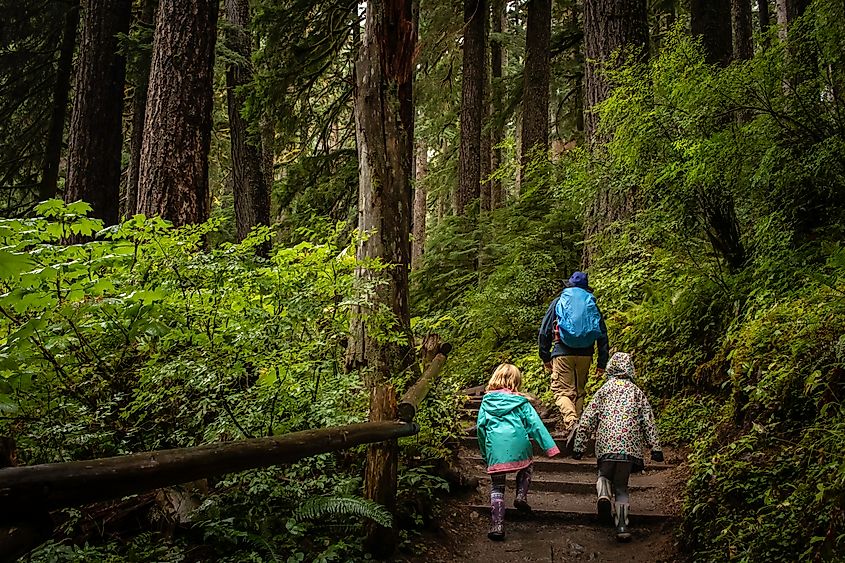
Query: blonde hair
x=506, y=376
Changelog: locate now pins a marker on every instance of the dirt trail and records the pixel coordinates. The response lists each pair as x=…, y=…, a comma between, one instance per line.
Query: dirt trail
x=563, y=525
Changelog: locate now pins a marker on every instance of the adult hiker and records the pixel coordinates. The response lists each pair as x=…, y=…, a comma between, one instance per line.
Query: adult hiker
x=506, y=421
x=571, y=329
x=621, y=417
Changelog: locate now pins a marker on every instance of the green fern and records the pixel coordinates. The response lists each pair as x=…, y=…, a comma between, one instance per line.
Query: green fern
x=318, y=508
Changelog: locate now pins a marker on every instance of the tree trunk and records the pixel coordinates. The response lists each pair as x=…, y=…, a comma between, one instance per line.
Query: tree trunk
x=497, y=135
x=764, y=20
x=743, y=44
x=486, y=133
x=787, y=12
x=472, y=105
x=61, y=89
x=711, y=21
x=139, y=108
x=384, y=117
x=420, y=205
x=96, y=129
x=535, y=96
x=252, y=196
x=173, y=179
x=609, y=25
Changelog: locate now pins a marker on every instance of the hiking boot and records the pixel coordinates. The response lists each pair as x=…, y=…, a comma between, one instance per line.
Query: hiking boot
x=603, y=502
x=623, y=534
x=523, y=482
x=497, y=517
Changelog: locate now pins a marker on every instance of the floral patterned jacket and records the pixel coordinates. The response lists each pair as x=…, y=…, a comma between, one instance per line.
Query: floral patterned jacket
x=621, y=418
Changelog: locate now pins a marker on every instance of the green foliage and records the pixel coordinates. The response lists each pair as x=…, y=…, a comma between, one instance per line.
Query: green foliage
x=318, y=508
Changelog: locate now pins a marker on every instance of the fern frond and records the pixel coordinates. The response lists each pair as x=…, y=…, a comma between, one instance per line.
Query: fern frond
x=317, y=508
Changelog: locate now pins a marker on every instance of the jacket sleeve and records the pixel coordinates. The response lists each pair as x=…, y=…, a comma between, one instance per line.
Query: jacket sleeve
x=537, y=430
x=589, y=422
x=546, y=336
x=647, y=423
x=603, y=344
x=481, y=433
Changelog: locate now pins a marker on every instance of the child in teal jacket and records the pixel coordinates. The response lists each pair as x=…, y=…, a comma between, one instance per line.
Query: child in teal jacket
x=506, y=421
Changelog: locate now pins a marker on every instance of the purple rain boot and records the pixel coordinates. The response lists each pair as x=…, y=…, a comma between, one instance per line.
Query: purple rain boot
x=523, y=482
x=497, y=516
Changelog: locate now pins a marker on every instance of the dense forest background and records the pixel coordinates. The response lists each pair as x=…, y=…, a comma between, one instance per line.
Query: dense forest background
x=201, y=201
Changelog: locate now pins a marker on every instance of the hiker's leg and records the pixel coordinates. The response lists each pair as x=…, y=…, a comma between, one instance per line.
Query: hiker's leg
x=523, y=482
x=497, y=507
x=620, y=486
x=603, y=491
x=563, y=387
x=620, y=480
x=582, y=366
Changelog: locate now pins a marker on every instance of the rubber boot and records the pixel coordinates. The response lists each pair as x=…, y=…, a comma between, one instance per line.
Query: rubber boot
x=523, y=482
x=497, y=517
x=603, y=501
x=623, y=534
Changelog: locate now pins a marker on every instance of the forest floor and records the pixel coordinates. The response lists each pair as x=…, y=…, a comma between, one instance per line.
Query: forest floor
x=563, y=525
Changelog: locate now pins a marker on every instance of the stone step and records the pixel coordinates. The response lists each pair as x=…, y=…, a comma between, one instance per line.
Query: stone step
x=645, y=508
x=569, y=465
x=576, y=483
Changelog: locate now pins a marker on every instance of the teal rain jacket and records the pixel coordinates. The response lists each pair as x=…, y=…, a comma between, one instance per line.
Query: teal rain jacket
x=506, y=421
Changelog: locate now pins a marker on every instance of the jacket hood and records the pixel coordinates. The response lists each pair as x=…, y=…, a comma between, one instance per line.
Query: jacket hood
x=501, y=402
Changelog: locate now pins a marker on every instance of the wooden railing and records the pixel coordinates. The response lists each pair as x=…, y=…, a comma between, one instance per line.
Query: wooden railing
x=28, y=493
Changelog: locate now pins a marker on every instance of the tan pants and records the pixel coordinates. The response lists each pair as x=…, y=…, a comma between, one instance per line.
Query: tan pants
x=569, y=378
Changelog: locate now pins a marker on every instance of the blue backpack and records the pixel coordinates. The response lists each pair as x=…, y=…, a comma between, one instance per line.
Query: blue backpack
x=578, y=318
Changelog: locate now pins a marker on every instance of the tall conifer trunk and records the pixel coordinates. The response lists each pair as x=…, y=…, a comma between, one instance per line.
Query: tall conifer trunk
x=743, y=45
x=610, y=26
x=61, y=89
x=711, y=20
x=472, y=105
x=420, y=204
x=139, y=108
x=252, y=196
x=173, y=179
x=535, y=97
x=384, y=120
x=787, y=12
x=764, y=19
x=96, y=129
x=499, y=22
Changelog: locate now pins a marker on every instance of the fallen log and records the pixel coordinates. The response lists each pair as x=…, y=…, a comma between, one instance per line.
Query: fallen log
x=57, y=485
x=410, y=402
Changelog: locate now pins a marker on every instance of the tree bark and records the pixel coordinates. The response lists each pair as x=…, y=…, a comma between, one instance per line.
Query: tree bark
x=384, y=118
x=173, y=180
x=139, y=108
x=96, y=130
x=420, y=205
x=787, y=12
x=497, y=135
x=535, y=97
x=472, y=105
x=610, y=25
x=61, y=89
x=486, y=133
x=711, y=21
x=764, y=20
x=252, y=196
x=743, y=44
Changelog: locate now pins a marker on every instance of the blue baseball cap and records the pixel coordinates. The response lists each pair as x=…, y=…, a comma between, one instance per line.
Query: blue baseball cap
x=578, y=279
